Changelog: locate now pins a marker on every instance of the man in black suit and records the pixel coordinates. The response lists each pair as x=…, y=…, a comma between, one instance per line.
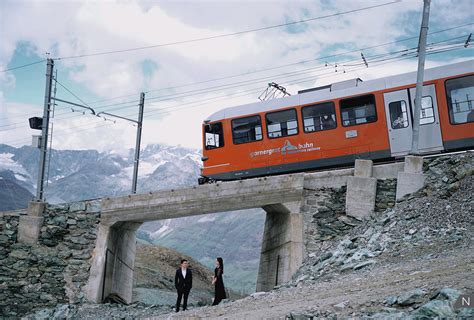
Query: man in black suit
x=183, y=282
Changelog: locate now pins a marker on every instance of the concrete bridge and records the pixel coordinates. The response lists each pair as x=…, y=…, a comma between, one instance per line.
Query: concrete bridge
x=279, y=196
x=282, y=197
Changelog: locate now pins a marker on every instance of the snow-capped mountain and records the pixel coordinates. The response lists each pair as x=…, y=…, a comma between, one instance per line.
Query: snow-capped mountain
x=13, y=194
x=88, y=174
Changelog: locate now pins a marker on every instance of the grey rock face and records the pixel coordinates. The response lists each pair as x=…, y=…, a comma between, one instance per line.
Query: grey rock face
x=448, y=294
x=410, y=297
x=435, y=309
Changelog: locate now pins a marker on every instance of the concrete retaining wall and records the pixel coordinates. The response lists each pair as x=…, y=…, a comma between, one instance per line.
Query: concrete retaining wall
x=325, y=198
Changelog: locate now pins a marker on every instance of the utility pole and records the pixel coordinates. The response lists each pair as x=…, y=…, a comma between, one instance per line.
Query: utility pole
x=139, y=123
x=137, y=145
x=419, y=77
x=44, y=130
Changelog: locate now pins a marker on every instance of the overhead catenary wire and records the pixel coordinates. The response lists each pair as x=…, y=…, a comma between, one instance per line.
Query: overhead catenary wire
x=72, y=93
x=286, y=65
x=23, y=66
x=166, y=110
x=439, y=50
x=258, y=80
x=235, y=84
x=95, y=125
x=181, y=107
x=248, y=82
x=184, y=106
x=135, y=102
x=184, y=94
x=406, y=51
x=128, y=104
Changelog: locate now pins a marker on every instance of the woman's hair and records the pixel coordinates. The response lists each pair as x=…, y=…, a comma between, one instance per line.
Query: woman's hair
x=221, y=264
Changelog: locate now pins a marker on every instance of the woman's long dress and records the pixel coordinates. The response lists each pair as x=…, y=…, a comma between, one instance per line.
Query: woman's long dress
x=219, y=293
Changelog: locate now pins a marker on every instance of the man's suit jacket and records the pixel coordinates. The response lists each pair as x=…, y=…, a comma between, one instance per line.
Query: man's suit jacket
x=181, y=283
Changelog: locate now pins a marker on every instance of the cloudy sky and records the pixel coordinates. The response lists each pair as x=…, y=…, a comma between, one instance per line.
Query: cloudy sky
x=196, y=57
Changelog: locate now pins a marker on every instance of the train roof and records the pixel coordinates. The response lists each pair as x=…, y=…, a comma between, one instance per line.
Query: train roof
x=333, y=92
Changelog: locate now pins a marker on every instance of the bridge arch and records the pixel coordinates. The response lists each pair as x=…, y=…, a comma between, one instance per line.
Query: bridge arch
x=282, y=244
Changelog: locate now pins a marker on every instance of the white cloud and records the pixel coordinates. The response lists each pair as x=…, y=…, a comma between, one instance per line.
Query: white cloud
x=76, y=27
x=14, y=126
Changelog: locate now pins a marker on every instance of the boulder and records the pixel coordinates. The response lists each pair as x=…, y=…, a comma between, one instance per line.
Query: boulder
x=410, y=297
x=435, y=309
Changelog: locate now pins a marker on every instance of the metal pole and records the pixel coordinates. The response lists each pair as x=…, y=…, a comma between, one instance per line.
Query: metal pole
x=278, y=264
x=137, y=145
x=44, y=132
x=419, y=77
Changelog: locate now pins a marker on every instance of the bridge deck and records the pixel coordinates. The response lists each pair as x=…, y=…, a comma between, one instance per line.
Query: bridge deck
x=218, y=197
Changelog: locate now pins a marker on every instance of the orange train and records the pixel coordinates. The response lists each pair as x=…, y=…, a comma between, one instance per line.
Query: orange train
x=336, y=124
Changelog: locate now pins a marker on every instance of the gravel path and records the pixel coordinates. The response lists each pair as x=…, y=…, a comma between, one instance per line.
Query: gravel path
x=353, y=293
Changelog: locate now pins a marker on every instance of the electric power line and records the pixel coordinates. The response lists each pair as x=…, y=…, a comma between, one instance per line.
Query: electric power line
x=95, y=125
x=234, y=84
x=134, y=102
x=72, y=93
x=302, y=80
x=126, y=104
x=231, y=34
x=180, y=107
x=287, y=65
x=289, y=74
x=23, y=66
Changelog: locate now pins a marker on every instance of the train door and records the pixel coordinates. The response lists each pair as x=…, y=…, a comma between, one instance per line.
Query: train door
x=399, y=107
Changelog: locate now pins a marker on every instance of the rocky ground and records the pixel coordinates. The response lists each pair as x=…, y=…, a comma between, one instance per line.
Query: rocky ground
x=412, y=261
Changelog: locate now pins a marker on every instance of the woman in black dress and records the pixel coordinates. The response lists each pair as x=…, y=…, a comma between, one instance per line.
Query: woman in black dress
x=218, y=282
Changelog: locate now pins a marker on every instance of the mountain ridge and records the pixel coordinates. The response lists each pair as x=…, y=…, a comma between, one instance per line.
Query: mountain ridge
x=76, y=175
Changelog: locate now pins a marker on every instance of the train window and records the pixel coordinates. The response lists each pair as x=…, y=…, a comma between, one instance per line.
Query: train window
x=319, y=117
x=427, y=112
x=398, y=114
x=460, y=95
x=214, y=135
x=247, y=129
x=358, y=110
x=282, y=123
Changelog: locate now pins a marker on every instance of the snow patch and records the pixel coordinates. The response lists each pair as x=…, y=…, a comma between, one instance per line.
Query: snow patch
x=145, y=168
x=7, y=163
x=160, y=233
x=20, y=177
x=115, y=163
x=194, y=157
x=121, y=152
x=207, y=218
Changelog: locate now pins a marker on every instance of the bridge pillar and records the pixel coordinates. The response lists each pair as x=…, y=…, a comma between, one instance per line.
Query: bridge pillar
x=282, y=245
x=113, y=267
x=412, y=178
x=30, y=225
x=361, y=190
